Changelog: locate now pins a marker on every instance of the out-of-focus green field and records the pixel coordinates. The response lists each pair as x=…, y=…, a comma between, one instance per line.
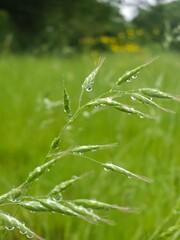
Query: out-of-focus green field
x=146, y=147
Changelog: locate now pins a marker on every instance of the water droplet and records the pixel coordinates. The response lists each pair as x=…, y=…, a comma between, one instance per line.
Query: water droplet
x=129, y=176
x=109, y=100
x=47, y=169
x=30, y=235
x=89, y=89
x=38, y=169
x=134, y=76
x=129, y=80
x=14, y=200
x=23, y=232
x=106, y=169
x=90, y=210
x=57, y=199
x=133, y=98
x=79, y=153
x=127, y=72
x=9, y=228
x=141, y=116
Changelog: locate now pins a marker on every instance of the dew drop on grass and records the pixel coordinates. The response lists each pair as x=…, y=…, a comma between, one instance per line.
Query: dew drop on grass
x=141, y=116
x=89, y=89
x=106, y=169
x=129, y=177
x=23, y=232
x=109, y=100
x=38, y=169
x=129, y=80
x=133, y=98
x=80, y=153
x=9, y=228
x=127, y=72
x=134, y=76
x=29, y=236
x=96, y=106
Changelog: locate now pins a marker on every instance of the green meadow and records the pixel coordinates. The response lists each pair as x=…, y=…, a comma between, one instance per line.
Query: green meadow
x=31, y=116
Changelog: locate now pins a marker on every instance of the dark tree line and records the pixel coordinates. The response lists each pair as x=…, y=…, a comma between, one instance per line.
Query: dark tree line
x=55, y=23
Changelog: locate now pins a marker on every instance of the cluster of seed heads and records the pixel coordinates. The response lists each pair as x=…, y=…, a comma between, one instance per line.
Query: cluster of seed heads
x=54, y=200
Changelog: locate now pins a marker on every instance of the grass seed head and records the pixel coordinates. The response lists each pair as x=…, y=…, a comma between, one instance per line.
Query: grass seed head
x=145, y=100
x=66, y=104
x=132, y=74
x=91, y=148
x=91, y=216
x=156, y=93
x=87, y=85
x=11, y=223
x=33, y=206
x=101, y=205
x=117, y=169
x=117, y=105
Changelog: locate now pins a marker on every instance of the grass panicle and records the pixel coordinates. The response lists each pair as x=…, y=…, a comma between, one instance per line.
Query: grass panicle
x=81, y=208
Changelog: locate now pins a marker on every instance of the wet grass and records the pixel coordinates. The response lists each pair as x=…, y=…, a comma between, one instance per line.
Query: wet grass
x=147, y=147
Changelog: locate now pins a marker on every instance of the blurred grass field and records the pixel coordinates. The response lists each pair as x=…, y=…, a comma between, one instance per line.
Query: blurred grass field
x=147, y=147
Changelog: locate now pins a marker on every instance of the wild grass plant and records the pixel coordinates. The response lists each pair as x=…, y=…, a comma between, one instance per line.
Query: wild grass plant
x=85, y=209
